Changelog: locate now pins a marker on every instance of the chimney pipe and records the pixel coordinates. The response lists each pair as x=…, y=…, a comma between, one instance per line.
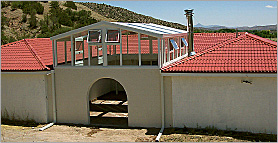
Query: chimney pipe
x=236, y=33
x=190, y=34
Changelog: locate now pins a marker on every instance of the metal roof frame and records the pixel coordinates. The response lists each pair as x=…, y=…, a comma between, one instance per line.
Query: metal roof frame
x=150, y=29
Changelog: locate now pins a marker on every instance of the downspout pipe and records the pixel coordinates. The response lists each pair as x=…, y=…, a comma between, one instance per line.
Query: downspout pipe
x=54, y=103
x=54, y=96
x=162, y=110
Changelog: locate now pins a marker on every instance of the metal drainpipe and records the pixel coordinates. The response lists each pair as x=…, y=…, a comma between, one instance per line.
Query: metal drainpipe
x=162, y=111
x=54, y=103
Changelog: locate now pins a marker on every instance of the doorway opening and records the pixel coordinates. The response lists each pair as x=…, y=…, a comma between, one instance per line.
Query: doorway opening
x=108, y=104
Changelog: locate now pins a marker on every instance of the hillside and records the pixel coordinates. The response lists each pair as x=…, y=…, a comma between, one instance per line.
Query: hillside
x=45, y=19
x=124, y=15
x=16, y=20
x=14, y=27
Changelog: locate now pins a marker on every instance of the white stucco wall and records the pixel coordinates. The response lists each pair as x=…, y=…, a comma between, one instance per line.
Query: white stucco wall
x=225, y=102
x=23, y=96
x=142, y=86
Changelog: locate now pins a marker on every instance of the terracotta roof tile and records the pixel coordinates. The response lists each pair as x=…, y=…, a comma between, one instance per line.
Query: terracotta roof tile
x=248, y=54
x=20, y=55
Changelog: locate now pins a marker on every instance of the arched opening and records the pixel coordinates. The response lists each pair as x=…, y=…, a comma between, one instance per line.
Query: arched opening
x=108, y=105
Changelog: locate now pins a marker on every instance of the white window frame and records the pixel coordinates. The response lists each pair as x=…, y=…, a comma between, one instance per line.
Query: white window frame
x=99, y=38
x=106, y=36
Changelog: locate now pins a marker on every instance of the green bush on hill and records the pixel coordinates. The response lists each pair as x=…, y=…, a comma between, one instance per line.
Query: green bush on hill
x=27, y=6
x=52, y=23
x=70, y=4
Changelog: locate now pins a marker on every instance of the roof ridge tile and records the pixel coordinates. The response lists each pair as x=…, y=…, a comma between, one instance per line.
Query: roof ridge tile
x=262, y=39
x=32, y=50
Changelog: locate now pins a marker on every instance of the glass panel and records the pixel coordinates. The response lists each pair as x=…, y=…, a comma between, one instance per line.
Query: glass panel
x=112, y=36
x=174, y=44
x=183, y=42
x=94, y=36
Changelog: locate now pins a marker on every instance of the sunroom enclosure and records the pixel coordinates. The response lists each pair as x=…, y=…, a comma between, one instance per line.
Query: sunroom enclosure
x=120, y=44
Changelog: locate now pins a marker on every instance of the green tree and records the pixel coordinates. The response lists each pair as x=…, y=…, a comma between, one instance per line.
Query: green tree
x=24, y=18
x=70, y=4
x=33, y=19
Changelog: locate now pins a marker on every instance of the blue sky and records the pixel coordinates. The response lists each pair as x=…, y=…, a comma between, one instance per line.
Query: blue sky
x=226, y=13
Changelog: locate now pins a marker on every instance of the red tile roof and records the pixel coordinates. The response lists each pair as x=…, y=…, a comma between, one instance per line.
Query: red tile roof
x=246, y=54
x=21, y=55
x=216, y=52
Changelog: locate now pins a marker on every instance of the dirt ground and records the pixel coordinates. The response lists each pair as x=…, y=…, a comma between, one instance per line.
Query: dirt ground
x=64, y=133
x=67, y=133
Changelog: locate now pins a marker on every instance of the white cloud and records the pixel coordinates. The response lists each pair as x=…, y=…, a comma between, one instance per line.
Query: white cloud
x=270, y=6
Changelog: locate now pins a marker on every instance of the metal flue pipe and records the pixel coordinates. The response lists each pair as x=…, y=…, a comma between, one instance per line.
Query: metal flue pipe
x=190, y=34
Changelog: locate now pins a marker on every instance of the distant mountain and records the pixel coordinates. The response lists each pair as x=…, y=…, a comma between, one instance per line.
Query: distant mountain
x=210, y=27
x=266, y=27
x=217, y=27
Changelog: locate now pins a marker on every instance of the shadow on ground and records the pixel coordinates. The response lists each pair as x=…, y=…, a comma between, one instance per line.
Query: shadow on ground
x=257, y=137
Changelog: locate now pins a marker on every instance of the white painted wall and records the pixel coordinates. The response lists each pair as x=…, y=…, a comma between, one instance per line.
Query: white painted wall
x=23, y=96
x=142, y=86
x=225, y=102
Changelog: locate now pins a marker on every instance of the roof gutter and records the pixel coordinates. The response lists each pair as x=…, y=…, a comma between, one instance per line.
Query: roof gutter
x=29, y=72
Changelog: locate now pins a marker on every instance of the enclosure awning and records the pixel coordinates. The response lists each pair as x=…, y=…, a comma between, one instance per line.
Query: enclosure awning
x=150, y=29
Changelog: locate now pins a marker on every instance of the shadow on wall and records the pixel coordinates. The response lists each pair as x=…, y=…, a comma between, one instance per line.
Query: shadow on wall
x=12, y=119
x=104, y=86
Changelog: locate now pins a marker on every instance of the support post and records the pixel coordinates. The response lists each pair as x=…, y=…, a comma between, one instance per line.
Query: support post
x=72, y=51
x=104, y=46
x=180, y=45
x=139, y=48
x=83, y=51
x=127, y=42
x=121, y=49
x=89, y=55
x=168, y=50
x=164, y=51
x=66, y=58
x=117, y=92
x=151, y=46
x=53, y=53
x=110, y=50
x=56, y=55
x=158, y=52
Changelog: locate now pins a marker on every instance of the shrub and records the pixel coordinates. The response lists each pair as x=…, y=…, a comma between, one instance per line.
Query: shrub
x=70, y=4
x=28, y=6
x=5, y=4
x=17, y=5
x=24, y=18
x=33, y=19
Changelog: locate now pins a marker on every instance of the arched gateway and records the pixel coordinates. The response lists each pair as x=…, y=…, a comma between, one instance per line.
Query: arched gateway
x=108, y=105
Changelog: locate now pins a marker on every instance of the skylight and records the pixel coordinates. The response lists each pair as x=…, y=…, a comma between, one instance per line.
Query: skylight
x=173, y=42
x=184, y=42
